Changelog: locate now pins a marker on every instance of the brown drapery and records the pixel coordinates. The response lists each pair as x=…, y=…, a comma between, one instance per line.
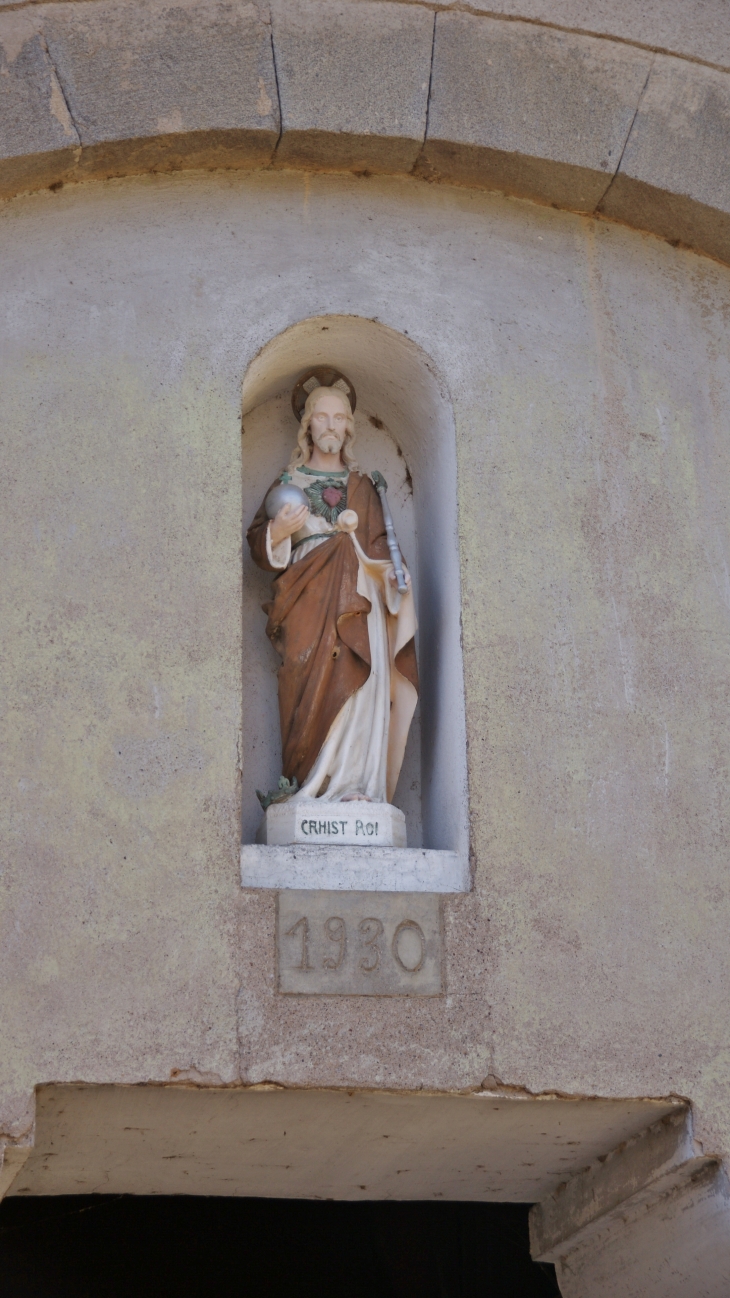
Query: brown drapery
x=318, y=623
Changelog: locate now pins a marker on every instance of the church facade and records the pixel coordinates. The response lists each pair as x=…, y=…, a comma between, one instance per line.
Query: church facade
x=509, y=228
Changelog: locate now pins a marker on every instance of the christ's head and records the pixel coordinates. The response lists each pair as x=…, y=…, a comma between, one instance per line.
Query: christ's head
x=327, y=423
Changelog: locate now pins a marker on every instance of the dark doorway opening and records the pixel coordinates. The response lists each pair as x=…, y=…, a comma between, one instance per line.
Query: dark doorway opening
x=99, y=1246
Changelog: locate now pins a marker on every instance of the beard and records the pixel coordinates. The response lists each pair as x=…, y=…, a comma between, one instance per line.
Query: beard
x=329, y=444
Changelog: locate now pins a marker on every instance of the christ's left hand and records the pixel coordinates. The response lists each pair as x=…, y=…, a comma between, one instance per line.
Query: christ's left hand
x=394, y=580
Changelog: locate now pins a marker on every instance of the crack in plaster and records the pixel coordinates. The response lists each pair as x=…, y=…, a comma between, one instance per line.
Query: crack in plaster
x=419, y=157
x=270, y=22
x=617, y=168
x=493, y=1085
x=59, y=105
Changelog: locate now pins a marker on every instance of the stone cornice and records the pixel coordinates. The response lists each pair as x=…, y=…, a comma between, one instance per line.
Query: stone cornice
x=94, y=88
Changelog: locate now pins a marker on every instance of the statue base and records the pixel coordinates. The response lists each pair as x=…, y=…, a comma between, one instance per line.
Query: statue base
x=344, y=824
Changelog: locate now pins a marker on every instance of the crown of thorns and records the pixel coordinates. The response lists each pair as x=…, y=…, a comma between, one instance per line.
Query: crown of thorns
x=322, y=376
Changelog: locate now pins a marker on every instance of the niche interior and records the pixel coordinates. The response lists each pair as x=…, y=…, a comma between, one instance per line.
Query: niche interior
x=405, y=428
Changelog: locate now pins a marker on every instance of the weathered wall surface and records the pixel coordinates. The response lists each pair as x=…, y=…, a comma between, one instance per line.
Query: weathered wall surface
x=700, y=31
x=588, y=368
x=121, y=698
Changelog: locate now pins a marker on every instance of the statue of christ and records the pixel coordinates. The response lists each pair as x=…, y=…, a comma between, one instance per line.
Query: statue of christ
x=348, y=679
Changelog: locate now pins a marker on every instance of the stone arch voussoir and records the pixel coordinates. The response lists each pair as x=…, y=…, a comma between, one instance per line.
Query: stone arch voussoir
x=590, y=124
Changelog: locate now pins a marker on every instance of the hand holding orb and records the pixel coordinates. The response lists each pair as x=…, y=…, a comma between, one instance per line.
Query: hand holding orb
x=288, y=506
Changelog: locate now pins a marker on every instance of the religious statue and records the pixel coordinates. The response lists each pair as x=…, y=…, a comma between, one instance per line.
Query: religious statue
x=342, y=614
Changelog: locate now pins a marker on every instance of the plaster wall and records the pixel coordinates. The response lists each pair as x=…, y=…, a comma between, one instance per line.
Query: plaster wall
x=588, y=370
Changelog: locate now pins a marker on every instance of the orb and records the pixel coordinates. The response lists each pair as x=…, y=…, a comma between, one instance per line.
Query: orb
x=284, y=493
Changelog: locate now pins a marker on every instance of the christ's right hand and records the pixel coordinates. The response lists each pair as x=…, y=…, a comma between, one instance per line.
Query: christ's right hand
x=289, y=520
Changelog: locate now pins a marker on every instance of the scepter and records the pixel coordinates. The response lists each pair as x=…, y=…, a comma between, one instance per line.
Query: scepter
x=396, y=557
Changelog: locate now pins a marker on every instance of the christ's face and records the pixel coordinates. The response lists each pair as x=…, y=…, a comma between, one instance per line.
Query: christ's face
x=328, y=425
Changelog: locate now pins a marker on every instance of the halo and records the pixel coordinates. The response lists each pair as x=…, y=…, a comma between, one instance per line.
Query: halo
x=321, y=376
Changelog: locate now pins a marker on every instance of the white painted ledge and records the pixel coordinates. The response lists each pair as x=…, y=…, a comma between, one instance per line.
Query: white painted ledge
x=364, y=869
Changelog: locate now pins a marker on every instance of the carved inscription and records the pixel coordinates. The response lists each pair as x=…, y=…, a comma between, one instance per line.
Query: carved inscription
x=359, y=943
x=303, y=925
x=338, y=828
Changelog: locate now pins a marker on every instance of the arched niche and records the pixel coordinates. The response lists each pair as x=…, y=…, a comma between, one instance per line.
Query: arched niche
x=405, y=428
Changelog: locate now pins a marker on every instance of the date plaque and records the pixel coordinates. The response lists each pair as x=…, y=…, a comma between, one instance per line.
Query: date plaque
x=359, y=943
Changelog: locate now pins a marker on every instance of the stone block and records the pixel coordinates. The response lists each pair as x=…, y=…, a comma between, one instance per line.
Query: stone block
x=353, y=82
x=674, y=177
x=646, y=1166
x=304, y=1141
x=535, y=112
x=12, y=1162
x=648, y=1220
x=359, y=944
x=164, y=85
x=37, y=137
x=675, y=1247
x=355, y=824
x=698, y=31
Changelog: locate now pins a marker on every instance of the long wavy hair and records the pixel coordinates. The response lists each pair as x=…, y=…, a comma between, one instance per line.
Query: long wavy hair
x=304, y=447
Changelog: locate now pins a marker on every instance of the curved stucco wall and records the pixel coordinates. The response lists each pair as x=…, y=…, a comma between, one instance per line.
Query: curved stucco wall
x=626, y=116
x=587, y=366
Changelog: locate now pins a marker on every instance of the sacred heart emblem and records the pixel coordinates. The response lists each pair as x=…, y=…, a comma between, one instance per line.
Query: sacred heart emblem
x=327, y=499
